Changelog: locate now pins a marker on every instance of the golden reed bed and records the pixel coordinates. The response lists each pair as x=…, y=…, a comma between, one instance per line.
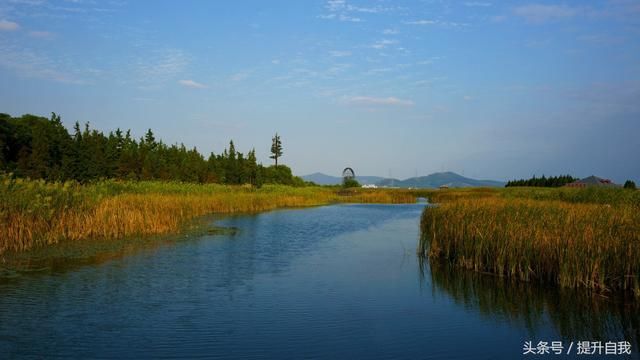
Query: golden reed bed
x=35, y=213
x=590, y=239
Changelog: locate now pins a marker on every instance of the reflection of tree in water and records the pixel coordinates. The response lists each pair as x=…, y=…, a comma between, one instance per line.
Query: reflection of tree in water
x=575, y=315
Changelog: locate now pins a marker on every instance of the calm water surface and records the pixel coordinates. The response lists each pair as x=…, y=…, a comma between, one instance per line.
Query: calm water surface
x=328, y=282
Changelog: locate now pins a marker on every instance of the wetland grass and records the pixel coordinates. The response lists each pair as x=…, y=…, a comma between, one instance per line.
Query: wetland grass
x=37, y=213
x=570, y=237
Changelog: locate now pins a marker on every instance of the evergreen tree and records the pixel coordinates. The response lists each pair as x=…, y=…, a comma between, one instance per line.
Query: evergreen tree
x=6, y=134
x=77, y=164
x=37, y=147
x=276, y=148
x=251, y=169
x=553, y=181
x=232, y=170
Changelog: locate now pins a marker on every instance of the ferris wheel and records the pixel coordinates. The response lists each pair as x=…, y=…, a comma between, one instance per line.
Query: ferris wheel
x=348, y=173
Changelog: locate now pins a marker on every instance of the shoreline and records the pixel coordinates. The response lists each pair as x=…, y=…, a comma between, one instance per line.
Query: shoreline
x=39, y=214
x=70, y=254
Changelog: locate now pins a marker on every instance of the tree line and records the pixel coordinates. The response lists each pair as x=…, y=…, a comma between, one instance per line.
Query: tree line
x=552, y=181
x=40, y=148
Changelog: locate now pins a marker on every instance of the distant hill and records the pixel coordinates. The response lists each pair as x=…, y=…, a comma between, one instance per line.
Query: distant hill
x=368, y=179
x=435, y=180
x=324, y=179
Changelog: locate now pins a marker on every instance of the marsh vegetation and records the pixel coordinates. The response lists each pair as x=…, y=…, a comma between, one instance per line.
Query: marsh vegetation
x=587, y=238
x=39, y=213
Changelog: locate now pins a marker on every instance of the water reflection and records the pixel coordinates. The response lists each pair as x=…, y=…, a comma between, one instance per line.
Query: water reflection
x=574, y=314
x=283, y=283
x=287, y=233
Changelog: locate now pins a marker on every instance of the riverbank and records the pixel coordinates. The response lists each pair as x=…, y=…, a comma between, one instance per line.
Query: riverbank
x=39, y=214
x=587, y=238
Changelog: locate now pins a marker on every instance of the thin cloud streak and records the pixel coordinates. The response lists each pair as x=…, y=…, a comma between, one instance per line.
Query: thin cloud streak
x=31, y=63
x=192, y=84
x=425, y=22
x=338, y=53
x=41, y=34
x=539, y=13
x=376, y=101
x=161, y=66
x=6, y=25
x=240, y=76
x=341, y=10
x=477, y=4
x=381, y=44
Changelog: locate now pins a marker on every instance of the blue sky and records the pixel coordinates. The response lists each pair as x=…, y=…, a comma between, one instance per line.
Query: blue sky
x=491, y=89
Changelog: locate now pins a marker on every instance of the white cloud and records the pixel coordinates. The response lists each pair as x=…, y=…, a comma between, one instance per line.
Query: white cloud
x=376, y=101
x=28, y=2
x=160, y=67
x=338, y=53
x=337, y=69
x=477, y=4
x=422, y=82
x=421, y=22
x=60, y=9
x=192, y=84
x=429, y=61
x=343, y=11
x=381, y=44
x=341, y=17
x=6, y=25
x=601, y=39
x=344, y=17
x=343, y=6
x=33, y=64
x=240, y=76
x=327, y=16
x=167, y=63
x=435, y=22
x=335, y=5
x=390, y=31
x=541, y=13
x=380, y=70
x=370, y=10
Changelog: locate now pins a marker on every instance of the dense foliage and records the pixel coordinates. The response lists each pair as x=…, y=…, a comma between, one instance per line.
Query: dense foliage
x=552, y=181
x=350, y=183
x=41, y=148
x=630, y=185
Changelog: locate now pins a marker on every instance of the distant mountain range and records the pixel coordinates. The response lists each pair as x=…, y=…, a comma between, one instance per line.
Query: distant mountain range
x=434, y=180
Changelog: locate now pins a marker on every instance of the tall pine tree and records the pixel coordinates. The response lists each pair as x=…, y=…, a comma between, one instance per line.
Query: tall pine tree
x=276, y=148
